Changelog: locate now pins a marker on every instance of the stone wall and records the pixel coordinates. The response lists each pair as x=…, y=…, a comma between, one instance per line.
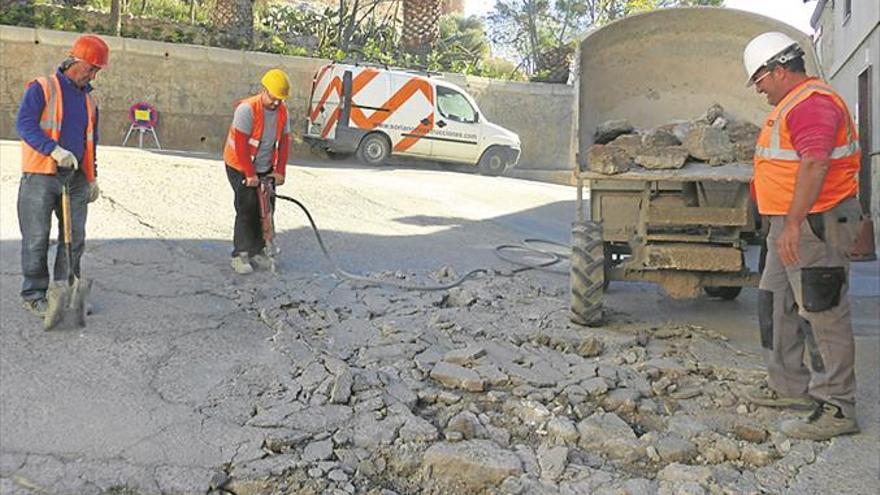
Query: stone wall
x=195, y=88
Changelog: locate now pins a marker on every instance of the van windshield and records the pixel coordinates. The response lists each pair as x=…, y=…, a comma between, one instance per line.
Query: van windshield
x=454, y=106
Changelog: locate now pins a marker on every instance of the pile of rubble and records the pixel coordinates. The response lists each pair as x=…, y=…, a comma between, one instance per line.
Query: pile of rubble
x=715, y=138
x=487, y=388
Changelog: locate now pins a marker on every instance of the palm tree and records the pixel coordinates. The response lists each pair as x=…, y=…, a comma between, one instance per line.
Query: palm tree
x=234, y=22
x=116, y=17
x=421, y=25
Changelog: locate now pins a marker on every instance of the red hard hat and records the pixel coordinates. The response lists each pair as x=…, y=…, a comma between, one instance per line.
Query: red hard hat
x=91, y=49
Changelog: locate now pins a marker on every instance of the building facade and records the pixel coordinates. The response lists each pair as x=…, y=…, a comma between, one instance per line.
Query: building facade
x=847, y=43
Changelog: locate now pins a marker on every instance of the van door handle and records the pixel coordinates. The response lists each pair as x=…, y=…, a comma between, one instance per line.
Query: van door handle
x=442, y=123
x=425, y=121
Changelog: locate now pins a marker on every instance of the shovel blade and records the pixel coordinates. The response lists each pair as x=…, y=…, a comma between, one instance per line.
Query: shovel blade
x=67, y=303
x=57, y=300
x=79, y=300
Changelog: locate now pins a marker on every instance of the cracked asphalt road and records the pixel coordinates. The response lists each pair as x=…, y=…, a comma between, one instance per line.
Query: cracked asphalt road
x=137, y=397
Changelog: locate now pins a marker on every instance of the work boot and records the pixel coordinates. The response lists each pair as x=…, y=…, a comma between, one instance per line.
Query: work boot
x=827, y=421
x=35, y=306
x=767, y=397
x=262, y=262
x=241, y=264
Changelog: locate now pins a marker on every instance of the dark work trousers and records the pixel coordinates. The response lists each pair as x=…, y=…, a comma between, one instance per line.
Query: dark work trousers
x=39, y=196
x=248, y=234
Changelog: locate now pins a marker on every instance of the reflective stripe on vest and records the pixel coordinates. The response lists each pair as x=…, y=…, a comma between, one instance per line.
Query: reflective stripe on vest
x=775, y=150
x=791, y=155
x=256, y=105
x=51, y=119
x=777, y=162
x=32, y=161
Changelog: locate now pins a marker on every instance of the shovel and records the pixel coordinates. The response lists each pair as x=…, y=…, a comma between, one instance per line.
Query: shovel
x=66, y=300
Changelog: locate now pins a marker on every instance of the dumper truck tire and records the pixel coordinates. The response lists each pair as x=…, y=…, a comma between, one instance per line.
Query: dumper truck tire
x=726, y=293
x=374, y=149
x=587, y=273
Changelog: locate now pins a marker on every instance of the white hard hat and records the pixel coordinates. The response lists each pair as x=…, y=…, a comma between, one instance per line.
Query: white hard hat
x=769, y=47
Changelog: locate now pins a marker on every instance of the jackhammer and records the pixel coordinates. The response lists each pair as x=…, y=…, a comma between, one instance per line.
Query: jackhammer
x=266, y=199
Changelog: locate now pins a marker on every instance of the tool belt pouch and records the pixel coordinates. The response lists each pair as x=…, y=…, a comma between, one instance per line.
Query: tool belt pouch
x=821, y=287
x=765, y=318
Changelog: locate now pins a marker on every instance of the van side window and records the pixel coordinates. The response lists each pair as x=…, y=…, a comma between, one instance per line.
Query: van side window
x=454, y=106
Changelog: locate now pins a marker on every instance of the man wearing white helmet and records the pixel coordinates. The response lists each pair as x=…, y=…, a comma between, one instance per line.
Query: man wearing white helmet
x=805, y=184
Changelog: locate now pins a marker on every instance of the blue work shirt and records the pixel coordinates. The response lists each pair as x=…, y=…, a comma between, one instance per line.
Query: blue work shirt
x=74, y=121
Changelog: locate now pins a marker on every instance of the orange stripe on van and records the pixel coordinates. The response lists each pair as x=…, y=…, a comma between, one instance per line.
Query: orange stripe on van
x=315, y=83
x=335, y=85
x=361, y=120
x=331, y=121
x=420, y=130
x=362, y=80
x=413, y=86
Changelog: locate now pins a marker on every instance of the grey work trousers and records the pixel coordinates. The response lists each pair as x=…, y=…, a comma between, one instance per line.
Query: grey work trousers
x=39, y=195
x=805, y=308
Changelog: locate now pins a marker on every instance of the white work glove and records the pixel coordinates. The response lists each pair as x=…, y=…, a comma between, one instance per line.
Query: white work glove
x=94, y=191
x=64, y=158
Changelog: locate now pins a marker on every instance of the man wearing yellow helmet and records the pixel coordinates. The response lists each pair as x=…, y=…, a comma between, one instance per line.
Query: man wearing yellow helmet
x=256, y=146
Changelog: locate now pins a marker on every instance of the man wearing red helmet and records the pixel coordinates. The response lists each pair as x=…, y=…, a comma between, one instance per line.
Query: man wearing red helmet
x=58, y=125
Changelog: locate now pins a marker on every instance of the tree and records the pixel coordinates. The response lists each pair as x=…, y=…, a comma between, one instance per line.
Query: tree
x=116, y=17
x=421, y=26
x=541, y=33
x=234, y=21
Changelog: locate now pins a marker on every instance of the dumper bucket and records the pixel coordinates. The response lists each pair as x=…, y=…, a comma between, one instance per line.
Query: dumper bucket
x=672, y=64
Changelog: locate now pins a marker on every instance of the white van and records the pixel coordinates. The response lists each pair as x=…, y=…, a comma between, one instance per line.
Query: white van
x=377, y=112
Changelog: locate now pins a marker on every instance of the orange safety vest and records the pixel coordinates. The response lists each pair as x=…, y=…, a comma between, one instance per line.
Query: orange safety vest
x=777, y=162
x=34, y=162
x=256, y=134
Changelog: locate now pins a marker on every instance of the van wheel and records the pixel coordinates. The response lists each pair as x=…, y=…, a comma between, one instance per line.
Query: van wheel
x=493, y=162
x=374, y=149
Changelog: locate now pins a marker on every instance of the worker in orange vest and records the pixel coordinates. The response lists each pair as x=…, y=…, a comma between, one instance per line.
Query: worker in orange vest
x=256, y=147
x=58, y=125
x=806, y=185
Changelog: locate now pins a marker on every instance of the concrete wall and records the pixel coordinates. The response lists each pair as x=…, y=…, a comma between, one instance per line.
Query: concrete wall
x=194, y=89
x=848, y=45
x=542, y=115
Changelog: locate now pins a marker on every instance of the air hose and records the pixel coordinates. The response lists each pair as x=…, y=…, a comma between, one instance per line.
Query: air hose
x=552, y=258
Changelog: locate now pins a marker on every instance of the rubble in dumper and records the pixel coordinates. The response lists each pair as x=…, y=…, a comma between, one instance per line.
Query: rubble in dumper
x=715, y=138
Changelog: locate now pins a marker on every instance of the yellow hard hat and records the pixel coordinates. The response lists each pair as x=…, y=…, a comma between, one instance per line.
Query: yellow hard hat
x=276, y=83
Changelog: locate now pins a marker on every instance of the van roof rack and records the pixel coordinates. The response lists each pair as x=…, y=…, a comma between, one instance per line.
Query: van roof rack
x=356, y=61
x=371, y=64
x=425, y=71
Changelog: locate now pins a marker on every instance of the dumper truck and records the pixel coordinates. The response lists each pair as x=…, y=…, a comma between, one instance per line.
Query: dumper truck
x=685, y=229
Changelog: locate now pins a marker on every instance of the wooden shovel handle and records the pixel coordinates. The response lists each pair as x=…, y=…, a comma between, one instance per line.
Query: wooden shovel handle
x=65, y=214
